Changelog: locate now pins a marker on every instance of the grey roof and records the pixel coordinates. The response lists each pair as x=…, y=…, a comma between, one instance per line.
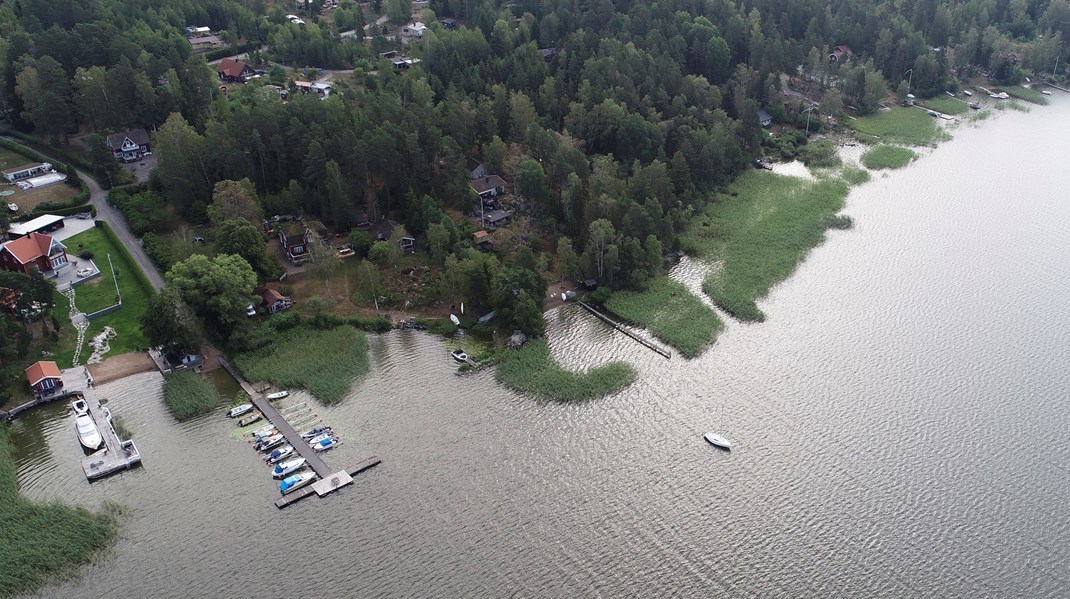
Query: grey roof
x=485, y=184
x=493, y=216
x=138, y=136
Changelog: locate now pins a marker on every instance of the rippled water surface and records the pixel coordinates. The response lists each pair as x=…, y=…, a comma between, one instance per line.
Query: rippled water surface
x=902, y=428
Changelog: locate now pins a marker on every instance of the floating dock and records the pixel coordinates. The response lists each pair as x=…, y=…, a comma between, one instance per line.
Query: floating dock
x=651, y=346
x=118, y=454
x=329, y=480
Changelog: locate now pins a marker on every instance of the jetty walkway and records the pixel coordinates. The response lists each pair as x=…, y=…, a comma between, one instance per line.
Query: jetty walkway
x=649, y=345
x=117, y=454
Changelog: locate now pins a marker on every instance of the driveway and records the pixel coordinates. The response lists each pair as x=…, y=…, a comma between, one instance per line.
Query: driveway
x=71, y=227
x=141, y=168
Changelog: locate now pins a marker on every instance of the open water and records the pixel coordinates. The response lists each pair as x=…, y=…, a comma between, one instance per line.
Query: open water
x=902, y=429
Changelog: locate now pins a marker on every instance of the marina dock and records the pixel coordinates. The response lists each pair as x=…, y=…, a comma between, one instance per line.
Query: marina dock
x=118, y=454
x=329, y=480
x=649, y=345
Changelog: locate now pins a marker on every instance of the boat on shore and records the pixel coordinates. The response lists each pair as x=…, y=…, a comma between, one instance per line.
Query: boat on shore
x=1046, y=92
x=284, y=469
x=236, y=411
x=88, y=434
x=459, y=355
x=296, y=481
x=250, y=419
x=967, y=92
x=278, y=395
x=80, y=407
x=975, y=105
x=280, y=454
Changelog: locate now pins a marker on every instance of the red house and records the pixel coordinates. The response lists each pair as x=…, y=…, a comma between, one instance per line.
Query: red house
x=234, y=70
x=32, y=251
x=44, y=378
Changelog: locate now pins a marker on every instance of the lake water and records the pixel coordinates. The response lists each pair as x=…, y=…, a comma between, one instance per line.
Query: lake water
x=902, y=428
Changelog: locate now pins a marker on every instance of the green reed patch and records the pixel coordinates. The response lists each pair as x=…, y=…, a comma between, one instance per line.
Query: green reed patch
x=759, y=233
x=43, y=542
x=888, y=157
x=533, y=370
x=911, y=126
x=189, y=394
x=325, y=361
x=1027, y=94
x=947, y=105
x=669, y=311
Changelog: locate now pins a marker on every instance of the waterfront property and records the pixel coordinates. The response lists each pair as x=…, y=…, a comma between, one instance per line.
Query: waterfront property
x=44, y=378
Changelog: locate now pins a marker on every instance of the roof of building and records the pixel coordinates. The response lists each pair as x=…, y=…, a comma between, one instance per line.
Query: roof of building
x=205, y=39
x=764, y=116
x=271, y=296
x=294, y=234
x=548, y=52
x=473, y=163
x=481, y=236
x=487, y=183
x=494, y=216
x=38, y=371
x=232, y=68
x=138, y=136
x=28, y=248
x=32, y=225
x=24, y=167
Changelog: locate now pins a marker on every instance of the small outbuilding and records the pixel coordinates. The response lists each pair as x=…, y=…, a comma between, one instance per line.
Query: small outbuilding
x=44, y=378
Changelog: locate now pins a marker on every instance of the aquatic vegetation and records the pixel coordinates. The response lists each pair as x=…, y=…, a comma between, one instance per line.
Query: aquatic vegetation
x=44, y=541
x=189, y=394
x=855, y=176
x=887, y=157
x=759, y=233
x=911, y=126
x=325, y=361
x=532, y=369
x=819, y=154
x=669, y=311
x=1027, y=94
x=947, y=105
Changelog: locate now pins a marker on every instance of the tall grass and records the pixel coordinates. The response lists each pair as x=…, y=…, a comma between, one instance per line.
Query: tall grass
x=947, y=105
x=43, y=542
x=1027, y=94
x=533, y=370
x=854, y=175
x=760, y=233
x=820, y=154
x=324, y=361
x=888, y=157
x=671, y=313
x=189, y=394
x=910, y=126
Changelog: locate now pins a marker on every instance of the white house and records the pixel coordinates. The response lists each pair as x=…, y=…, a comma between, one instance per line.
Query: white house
x=417, y=29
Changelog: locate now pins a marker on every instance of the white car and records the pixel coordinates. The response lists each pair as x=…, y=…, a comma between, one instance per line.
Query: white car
x=250, y=311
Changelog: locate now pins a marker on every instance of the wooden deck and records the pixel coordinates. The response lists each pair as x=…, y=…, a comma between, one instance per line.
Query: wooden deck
x=649, y=345
x=307, y=490
x=117, y=454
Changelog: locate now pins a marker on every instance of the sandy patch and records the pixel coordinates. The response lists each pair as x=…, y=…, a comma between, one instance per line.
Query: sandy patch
x=123, y=365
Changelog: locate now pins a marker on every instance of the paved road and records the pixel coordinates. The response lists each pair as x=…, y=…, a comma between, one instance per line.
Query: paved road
x=99, y=198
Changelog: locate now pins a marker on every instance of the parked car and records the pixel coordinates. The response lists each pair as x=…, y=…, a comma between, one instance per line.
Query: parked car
x=250, y=310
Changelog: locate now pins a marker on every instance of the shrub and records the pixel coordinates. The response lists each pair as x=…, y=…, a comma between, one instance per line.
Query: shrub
x=820, y=154
x=158, y=251
x=86, y=255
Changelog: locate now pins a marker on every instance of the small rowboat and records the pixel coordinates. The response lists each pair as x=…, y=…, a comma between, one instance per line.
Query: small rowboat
x=278, y=395
x=250, y=419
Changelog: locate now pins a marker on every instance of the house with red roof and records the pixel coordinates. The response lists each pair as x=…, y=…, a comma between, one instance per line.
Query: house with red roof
x=33, y=251
x=44, y=377
x=234, y=70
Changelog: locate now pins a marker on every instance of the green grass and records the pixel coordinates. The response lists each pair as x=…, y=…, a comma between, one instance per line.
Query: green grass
x=671, y=313
x=43, y=542
x=759, y=233
x=326, y=362
x=189, y=394
x=100, y=293
x=1027, y=94
x=888, y=157
x=820, y=154
x=855, y=176
x=910, y=126
x=531, y=369
x=947, y=105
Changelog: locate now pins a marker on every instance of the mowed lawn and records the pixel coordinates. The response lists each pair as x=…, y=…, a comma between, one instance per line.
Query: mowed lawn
x=27, y=200
x=100, y=293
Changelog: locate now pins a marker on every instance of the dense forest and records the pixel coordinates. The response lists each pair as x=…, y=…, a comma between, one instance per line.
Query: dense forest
x=609, y=143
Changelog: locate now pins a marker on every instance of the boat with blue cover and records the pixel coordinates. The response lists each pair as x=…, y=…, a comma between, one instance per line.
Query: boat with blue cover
x=284, y=469
x=296, y=481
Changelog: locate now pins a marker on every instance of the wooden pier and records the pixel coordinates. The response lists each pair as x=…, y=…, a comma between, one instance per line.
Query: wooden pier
x=649, y=345
x=330, y=480
x=117, y=454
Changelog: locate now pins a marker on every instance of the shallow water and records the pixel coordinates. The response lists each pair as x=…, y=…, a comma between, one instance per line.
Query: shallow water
x=901, y=421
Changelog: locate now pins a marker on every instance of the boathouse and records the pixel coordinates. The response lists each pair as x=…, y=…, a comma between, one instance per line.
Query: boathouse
x=44, y=378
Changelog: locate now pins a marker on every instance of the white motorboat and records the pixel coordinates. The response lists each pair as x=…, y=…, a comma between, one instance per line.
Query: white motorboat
x=87, y=432
x=264, y=435
x=280, y=454
x=459, y=355
x=264, y=431
x=717, y=439
x=12, y=206
x=239, y=410
x=456, y=321
x=296, y=481
x=284, y=469
x=278, y=395
x=325, y=444
x=81, y=408
x=315, y=431
x=967, y=92
x=270, y=442
x=1046, y=92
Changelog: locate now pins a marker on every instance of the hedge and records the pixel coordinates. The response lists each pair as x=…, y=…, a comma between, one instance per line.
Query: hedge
x=138, y=274
x=231, y=51
x=68, y=211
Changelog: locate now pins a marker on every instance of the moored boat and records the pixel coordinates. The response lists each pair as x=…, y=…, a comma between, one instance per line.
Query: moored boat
x=296, y=481
x=315, y=431
x=1046, y=92
x=718, y=440
x=284, y=469
x=278, y=395
x=975, y=105
x=239, y=410
x=280, y=454
x=88, y=434
x=269, y=442
x=250, y=419
x=967, y=92
x=325, y=444
x=80, y=407
x=264, y=431
x=459, y=355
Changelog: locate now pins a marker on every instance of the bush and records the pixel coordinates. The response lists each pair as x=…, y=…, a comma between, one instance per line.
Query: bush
x=144, y=209
x=86, y=255
x=599, y=296
x=189, y=394
x=158, y=251
x=820, y=154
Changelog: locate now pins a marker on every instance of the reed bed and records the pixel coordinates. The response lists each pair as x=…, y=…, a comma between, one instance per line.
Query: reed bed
x=326, y=362
x=533, y=370
x=910, y=126
x=1027, y=94
x=189, y=394
x=669, y=311
x=888, y=157
x=759, y=233
x=947, y=105
x=44, y=542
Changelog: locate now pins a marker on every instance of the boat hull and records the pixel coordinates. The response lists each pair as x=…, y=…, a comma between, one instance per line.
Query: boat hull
x=717, y=441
